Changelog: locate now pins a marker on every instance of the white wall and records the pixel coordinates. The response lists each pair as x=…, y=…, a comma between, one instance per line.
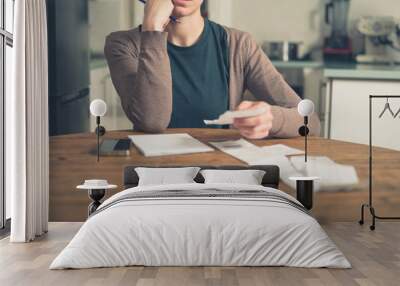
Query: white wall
x=221, y=11
x=138, y=11
x=106, y=16
x=279, y=20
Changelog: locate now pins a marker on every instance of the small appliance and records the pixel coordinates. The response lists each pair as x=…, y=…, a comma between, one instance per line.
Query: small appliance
x=337, y=47
x=282, y=51
x=377, y=32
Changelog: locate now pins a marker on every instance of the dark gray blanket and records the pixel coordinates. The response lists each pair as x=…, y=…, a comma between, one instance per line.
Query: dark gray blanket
x=206, y=194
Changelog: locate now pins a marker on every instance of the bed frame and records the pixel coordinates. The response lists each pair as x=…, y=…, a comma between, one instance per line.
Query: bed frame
x=270, y=179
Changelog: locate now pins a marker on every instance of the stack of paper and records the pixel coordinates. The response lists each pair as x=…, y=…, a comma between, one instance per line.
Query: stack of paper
x=168, y=144
x=254, y=155
x=332, y=176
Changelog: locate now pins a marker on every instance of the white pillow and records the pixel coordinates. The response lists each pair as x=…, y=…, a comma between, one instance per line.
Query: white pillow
x=247, y=177
x=166, y=176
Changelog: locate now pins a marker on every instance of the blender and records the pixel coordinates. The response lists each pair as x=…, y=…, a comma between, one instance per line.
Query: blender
x=337, y=47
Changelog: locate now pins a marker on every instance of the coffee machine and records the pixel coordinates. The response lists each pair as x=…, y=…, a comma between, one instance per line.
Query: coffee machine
x=337, y=47
x=377, y=32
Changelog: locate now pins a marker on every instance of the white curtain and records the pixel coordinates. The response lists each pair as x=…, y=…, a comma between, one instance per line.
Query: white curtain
x=27, y=137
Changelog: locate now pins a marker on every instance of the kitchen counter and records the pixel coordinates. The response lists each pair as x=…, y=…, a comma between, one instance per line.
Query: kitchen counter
x=345, y=70
x=362, y=71
x=330, y=70
x=297, y=64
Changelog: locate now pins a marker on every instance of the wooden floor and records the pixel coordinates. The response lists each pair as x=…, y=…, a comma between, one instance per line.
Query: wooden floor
x=375, y=257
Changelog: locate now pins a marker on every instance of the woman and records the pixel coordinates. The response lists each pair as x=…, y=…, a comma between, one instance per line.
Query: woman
x=176, y=74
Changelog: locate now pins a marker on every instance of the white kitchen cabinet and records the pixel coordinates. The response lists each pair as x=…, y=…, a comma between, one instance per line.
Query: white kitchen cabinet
x=348, y=112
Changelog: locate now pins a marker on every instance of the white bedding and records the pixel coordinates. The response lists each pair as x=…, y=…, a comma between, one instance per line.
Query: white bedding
x=200, y=231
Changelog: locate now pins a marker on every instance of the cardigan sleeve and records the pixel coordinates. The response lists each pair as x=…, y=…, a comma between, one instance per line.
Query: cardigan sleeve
x=141, y=74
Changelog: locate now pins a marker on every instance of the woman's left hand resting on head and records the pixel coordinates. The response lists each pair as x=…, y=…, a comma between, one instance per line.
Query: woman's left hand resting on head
x=256, y=127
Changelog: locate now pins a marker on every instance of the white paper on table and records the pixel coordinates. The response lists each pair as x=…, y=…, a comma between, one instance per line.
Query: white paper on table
x=300, y=165
x=332, y=176
x=282, y=150
x=233, y=144
x=286, y=169
x=240, y=149
x=254, y=155
x=228, y=117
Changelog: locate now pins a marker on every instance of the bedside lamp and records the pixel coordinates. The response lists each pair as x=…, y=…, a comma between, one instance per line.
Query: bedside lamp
x=98, y=108
x=305, y=109
x=305, y=185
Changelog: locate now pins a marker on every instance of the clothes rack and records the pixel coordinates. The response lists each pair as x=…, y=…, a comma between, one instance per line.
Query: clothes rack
x=369, y=205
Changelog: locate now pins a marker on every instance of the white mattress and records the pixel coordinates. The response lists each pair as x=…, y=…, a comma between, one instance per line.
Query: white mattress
x=191, y=231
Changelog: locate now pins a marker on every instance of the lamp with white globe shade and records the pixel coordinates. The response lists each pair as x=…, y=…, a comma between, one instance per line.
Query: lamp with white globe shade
x=305, y=109
x=98, y=108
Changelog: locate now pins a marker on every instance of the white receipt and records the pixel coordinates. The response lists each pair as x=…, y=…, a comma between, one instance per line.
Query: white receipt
x=228, y=117
x=283, y=150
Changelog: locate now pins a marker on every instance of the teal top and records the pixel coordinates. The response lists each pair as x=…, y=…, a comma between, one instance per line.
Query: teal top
x=200, y=78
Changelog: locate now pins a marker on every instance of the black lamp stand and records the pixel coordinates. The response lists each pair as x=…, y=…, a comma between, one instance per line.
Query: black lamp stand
x=305, y=192
x=304, y=131
x=369, y=205
x=100, y=131
x=96, y=195
x=305, y=185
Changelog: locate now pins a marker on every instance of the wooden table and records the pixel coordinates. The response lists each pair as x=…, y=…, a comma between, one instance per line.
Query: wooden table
x=71, y=162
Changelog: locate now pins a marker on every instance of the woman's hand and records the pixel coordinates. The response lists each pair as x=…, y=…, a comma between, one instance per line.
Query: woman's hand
x=156, y=15
x=256, y=127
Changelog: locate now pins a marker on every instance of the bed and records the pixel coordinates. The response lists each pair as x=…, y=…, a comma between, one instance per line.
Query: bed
x=198, y=224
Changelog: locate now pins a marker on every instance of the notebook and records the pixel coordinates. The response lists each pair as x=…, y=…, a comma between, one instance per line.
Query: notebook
x=168, y=144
